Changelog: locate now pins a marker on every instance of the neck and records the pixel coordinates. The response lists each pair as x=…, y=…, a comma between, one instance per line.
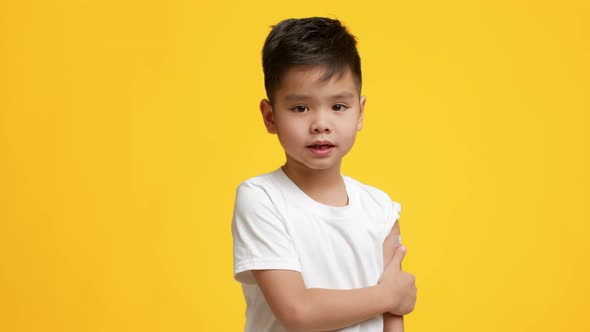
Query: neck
x=325, y=186
x=313, y=178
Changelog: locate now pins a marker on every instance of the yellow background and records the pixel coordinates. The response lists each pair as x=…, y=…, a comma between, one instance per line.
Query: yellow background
x=125, y=127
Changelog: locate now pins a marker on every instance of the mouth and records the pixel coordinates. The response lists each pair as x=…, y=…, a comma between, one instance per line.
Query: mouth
x=321, y=149
x=321, y=146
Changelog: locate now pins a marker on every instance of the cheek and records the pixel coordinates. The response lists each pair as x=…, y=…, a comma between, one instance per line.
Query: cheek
x=350, y=128
x=349, y=134
x=290, y=135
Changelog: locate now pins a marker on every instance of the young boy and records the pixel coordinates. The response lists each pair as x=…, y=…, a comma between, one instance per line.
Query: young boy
x=310, y=245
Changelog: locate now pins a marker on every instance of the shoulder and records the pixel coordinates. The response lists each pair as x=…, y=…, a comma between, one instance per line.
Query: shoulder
x=368, y=191
x=372, y=195
x=259, y=190
x=255, y=184
x=261, y=183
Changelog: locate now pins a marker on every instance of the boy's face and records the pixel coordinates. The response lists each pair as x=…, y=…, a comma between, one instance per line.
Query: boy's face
x=316, y=120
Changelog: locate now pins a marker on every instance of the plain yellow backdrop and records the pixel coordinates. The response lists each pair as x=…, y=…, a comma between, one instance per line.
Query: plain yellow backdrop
x=125, y=127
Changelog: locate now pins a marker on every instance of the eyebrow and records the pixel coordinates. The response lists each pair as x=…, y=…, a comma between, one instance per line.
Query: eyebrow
x=343, y=95
x=295, y=97
x=292, y=97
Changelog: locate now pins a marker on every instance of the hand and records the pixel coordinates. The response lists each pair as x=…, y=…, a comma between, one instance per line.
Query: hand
x=400, y=285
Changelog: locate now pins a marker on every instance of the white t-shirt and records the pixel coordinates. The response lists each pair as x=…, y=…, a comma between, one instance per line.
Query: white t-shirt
x=277, y=226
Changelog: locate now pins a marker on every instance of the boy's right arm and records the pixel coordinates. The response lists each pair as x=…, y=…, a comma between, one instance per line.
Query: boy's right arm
x=314, y=309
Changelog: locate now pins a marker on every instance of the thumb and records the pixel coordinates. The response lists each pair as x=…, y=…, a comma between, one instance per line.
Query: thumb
x=398, y=256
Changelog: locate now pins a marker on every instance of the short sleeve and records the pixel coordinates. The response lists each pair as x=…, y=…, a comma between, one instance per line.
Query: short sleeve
x=397, y=209
x=260, y=237
x=392, y=214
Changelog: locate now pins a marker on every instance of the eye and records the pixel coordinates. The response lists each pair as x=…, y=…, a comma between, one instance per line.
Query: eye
x=339, y=107
x=300, y=108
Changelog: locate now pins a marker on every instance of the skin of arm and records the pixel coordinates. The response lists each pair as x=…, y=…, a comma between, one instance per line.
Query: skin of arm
x=391, y=322
x=313, y=309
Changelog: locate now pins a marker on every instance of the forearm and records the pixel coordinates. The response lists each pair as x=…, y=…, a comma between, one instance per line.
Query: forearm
x=327, y=309
x=393, y=323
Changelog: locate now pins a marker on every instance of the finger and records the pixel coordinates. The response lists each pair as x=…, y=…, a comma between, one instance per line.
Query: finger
x=398, y=256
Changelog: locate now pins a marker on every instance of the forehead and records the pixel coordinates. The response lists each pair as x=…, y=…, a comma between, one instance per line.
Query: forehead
x=315, y=81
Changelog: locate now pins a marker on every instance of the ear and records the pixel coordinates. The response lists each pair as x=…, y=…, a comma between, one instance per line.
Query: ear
x=359, y=125
x=268, y=116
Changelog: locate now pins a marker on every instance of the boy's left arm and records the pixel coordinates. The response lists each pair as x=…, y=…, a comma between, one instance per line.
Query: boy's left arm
x=392, y=323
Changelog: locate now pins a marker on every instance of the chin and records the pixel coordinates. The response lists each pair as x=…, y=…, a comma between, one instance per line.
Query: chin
x=320, y=166
x=315, y=164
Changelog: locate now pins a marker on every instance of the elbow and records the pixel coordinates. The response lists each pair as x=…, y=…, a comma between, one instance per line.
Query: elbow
x=294, y=318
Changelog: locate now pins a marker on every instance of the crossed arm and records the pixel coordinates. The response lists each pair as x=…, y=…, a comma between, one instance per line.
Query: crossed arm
x=391, y=322
x=314, y=309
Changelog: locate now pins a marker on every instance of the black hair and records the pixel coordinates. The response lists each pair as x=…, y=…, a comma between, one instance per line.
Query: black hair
x=309, y=41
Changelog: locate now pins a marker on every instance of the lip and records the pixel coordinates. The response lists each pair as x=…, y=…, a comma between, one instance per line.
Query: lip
x=321, y=148
x=321, y=143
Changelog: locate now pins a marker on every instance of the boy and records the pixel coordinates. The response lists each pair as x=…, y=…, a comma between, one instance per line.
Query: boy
x=310, y=244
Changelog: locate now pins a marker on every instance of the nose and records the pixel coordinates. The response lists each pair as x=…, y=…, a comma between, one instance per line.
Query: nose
x=320, y=124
